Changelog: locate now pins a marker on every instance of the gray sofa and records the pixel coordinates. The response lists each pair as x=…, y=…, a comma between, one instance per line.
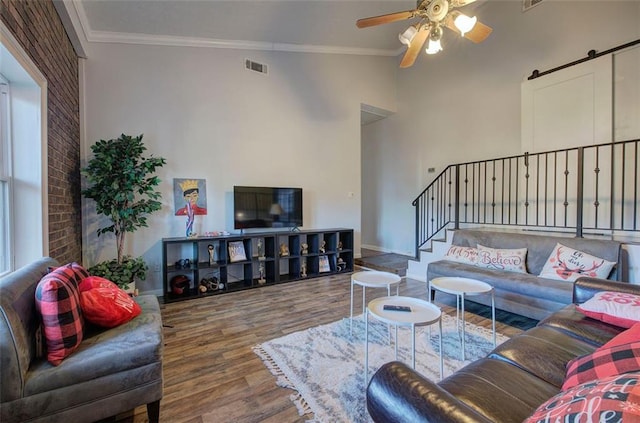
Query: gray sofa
x=520, y=293
x=113, y=370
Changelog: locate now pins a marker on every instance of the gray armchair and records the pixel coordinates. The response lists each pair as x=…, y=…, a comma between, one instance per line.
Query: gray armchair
x=113, y=370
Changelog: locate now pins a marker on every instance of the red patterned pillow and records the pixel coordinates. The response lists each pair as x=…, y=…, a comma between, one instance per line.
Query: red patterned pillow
x=58, y=301
x=616, y=308
x=467, y=255
x=602, y=363
x=628, y=336
x=510, y=260
x=612, y=399
x=106, y=305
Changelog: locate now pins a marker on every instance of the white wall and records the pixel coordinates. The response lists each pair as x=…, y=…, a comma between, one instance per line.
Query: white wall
x=210, y=118
x=463, y=104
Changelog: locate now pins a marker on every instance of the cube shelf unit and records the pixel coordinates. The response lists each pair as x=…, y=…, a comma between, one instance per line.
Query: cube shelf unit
x=329, y=251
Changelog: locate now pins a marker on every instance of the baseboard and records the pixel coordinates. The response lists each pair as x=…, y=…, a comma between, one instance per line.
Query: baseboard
x=385, y=250
x=417, y=276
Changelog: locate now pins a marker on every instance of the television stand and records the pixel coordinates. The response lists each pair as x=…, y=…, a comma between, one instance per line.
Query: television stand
x=258, y=259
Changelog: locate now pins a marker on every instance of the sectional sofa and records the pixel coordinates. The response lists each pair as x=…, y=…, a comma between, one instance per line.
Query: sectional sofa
x=527, y=293
x=517, y=377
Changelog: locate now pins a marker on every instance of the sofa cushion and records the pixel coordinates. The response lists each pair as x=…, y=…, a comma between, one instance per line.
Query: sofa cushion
x=615, y=398
x=603, y=363
x=487, y=385
x=579, y=326
x=468, y=255
x=58, y=302
x=617, y=308
x=542, y=351
x=568, y=264
x=508, y=260
x=104, y=304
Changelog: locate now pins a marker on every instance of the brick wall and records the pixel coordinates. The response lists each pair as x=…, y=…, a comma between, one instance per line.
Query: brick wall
x=37, y=27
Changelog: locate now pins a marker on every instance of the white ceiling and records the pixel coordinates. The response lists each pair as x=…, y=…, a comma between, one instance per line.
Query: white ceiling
x=290, y=25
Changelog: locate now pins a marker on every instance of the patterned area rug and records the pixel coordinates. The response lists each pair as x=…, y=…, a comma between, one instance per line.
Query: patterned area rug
x=325, y=364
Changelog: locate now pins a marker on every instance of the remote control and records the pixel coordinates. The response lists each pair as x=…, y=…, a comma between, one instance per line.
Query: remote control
x=396, y=307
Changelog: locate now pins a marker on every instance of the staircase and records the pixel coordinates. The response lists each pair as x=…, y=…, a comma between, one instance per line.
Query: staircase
x=590, y=191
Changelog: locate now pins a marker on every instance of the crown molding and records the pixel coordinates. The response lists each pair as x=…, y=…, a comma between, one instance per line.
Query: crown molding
x=82, y=27
x=175, y=41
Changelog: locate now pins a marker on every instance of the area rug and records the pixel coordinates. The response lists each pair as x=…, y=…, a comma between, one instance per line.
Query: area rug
x=324, y=365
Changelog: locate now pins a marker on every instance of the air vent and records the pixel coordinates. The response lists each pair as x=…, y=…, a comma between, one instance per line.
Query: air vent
x=257, y=67
x=528, y=4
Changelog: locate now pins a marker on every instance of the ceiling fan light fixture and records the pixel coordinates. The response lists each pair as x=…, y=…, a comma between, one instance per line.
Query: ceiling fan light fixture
x=434, y=40
x=408, y=35
x=464, y=23
x=433, y=47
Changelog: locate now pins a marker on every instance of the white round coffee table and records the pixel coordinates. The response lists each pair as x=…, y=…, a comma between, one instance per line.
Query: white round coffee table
x=372, y=279
x=461, y=288
x=422, y=313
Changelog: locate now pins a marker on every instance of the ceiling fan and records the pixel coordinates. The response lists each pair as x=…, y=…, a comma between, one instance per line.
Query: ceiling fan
x=433, y=15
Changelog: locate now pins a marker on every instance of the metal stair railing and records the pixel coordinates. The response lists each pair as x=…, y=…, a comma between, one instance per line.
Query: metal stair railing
x=594, y=188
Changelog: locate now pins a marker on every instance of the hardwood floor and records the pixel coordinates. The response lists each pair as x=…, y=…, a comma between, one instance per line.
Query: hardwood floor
x=212, y=375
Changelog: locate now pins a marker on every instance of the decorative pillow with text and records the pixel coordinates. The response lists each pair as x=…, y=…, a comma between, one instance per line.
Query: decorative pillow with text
x=611, y=399
x=568, y=264
x=616, y=308
x=510, y=260
x=467, y=255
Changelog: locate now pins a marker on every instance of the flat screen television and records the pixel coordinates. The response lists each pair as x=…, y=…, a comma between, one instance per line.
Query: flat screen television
x=266, y=207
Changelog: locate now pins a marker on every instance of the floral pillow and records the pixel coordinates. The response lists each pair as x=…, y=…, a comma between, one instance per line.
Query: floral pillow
x=467, y=255
x=568, y=264
x=611, y=399
x=510, y=260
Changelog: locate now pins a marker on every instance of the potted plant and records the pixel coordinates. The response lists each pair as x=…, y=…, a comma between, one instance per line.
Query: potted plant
x=122, y=183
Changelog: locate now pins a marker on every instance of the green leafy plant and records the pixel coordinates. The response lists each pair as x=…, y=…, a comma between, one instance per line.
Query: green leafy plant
x=121, y=273
x=122, y=183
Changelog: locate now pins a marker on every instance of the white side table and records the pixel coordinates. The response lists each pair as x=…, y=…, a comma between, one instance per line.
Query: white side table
x=372, y=279
x=422, y=313
x=461, y=288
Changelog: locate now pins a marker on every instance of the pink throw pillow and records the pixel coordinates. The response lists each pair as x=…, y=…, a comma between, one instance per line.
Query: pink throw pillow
x=628, y=336
x=616, y=308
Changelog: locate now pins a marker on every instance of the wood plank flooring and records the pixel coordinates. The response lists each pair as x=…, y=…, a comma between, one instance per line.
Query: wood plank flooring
x=210, y=371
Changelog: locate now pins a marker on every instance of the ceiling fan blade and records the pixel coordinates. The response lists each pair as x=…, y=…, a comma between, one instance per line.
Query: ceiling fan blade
x=383, y=19
x=415, y=48
x=478, y=34
x=460, y=3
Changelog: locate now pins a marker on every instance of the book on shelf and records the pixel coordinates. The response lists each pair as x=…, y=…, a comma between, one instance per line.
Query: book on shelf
x=324, y=264
x=236, y=251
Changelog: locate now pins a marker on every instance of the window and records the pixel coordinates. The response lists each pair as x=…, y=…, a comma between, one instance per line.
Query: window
x=5, y=180
x=23, y=190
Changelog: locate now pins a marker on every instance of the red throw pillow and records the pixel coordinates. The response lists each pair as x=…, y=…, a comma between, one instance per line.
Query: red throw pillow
x=628, y=336
x=58, y=302
x=603, y=363
x=615, y=398
x=106, y=305
x=616, y=308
